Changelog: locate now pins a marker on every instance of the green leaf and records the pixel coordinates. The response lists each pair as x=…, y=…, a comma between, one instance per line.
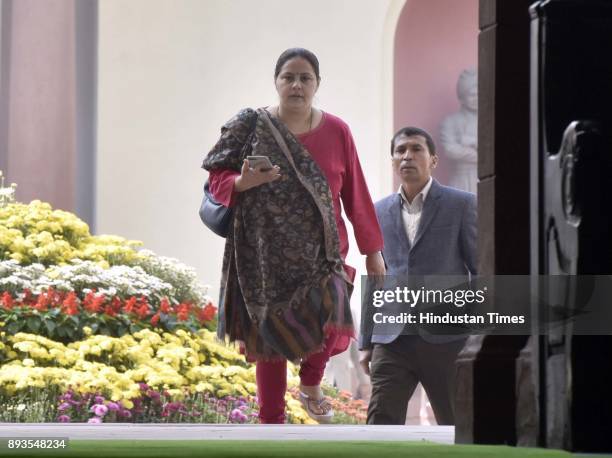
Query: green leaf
x=14, y=327
x=121, y=329
x=50, y=325
x=33, y=323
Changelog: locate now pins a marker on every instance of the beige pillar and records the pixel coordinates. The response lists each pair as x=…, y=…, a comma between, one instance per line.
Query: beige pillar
x=40, y=116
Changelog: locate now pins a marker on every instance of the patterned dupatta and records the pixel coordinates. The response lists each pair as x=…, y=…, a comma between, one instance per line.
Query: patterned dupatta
x=283, y=283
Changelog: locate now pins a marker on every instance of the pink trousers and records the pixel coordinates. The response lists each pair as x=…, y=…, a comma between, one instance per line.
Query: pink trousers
x=272, y=380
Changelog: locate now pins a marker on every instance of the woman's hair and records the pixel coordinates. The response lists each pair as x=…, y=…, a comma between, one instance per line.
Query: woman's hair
x=297, y=52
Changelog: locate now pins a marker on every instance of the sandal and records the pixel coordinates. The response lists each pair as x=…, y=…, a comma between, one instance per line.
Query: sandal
x=321, y=405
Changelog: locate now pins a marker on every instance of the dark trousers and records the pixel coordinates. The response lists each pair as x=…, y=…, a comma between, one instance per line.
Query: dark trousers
x=398, y=367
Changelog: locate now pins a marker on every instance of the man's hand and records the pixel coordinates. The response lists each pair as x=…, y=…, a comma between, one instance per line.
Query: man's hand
x=250, y=178
x=365, y=357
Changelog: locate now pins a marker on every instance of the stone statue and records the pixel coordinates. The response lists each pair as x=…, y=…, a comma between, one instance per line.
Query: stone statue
x=459, y=134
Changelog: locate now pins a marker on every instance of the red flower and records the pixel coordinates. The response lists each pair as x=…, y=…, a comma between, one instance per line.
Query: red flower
x=155, y=319
x=93, y=303
x=164, y=306
x=7, y=301
x=70, y=305
x=115, y=305
x=207, y=313
x=143, y=310
x=42, y=302
x=109, y=310
x=28, y=297
x=53, y=297
x=182, y=312
x=129, y=305
x=98, y=302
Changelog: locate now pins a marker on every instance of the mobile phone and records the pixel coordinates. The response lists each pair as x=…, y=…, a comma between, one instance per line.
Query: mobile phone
x=261, y=163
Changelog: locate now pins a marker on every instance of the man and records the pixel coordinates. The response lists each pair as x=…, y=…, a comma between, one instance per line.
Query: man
x=428, y=229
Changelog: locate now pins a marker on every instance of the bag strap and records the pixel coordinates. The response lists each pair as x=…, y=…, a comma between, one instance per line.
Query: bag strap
x=277, y=136
x=303, y=180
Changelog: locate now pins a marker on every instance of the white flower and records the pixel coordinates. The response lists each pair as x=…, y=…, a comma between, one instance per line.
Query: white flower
x=153, y=277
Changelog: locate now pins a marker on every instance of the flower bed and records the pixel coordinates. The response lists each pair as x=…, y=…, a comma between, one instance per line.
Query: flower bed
x=35, y=233
x=149, y=375
x=58, y=302
x=94, y=329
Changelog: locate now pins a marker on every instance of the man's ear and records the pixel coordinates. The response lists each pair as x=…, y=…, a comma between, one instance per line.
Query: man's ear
x=434, y=161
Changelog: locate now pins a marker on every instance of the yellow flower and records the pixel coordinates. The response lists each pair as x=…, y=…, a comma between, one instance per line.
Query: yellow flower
x=127, y=403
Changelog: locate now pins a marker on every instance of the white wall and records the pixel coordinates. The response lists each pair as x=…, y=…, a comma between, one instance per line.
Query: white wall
x=171, y=72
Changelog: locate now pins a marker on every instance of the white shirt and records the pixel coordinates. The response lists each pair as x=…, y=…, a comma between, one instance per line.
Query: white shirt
x=411, y=212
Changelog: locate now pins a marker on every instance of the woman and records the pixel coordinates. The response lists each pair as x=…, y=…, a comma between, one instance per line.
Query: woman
x=285, y=288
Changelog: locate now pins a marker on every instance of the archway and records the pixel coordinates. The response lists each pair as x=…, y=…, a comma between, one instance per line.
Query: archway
x=434, y=43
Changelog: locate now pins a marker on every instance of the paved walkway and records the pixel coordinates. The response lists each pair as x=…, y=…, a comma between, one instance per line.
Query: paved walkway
x=131, y=431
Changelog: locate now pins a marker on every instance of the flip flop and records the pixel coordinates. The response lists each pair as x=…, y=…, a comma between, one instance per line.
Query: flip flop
x=322, y=403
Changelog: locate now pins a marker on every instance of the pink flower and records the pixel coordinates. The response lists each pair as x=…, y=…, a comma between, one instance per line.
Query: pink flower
x=238, y=416
x=99, y=409
x=63, y=406
x=112, y=406
x=94, y=420
x=173, y=406
x=63, y=419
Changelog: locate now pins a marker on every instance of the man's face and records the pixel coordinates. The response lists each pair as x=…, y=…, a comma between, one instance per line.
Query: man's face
x=412, y=162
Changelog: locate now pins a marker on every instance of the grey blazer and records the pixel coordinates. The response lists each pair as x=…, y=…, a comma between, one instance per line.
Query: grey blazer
x=445, y=242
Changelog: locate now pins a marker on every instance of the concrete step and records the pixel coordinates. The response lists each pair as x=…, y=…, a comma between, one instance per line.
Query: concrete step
x=182, y=431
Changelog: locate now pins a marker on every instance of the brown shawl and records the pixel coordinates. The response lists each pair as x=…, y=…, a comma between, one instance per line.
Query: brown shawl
x=283, y=281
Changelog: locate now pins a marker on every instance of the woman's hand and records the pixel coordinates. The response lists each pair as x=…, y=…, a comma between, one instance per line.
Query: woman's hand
x=375, y=265
x=250, y=178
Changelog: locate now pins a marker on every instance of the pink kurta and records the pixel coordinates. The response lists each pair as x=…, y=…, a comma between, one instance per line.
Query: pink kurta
x=331, y=146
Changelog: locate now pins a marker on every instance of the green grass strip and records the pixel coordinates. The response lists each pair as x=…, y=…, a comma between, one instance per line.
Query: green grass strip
x=272, y=449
